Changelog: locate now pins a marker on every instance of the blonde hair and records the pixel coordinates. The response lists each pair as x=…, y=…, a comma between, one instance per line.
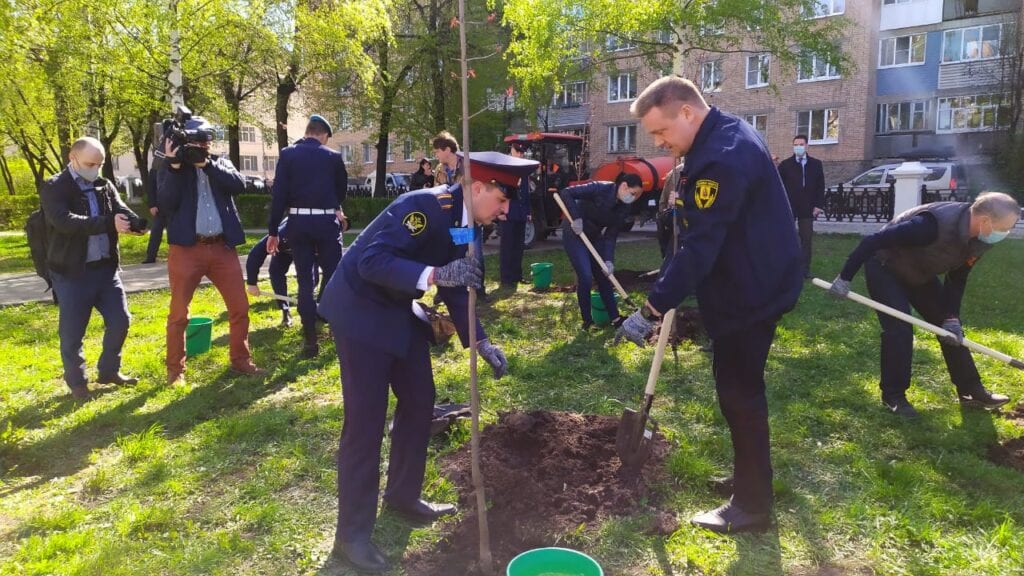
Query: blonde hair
x=667, y=93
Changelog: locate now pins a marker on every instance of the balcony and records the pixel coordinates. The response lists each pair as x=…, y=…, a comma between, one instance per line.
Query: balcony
x=907, y=14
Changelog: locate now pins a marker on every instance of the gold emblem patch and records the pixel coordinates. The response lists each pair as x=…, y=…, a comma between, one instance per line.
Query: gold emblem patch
x=415, y=222
x=704, y=193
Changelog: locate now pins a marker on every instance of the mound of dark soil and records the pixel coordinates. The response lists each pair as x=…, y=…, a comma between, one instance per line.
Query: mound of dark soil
x=546, y=474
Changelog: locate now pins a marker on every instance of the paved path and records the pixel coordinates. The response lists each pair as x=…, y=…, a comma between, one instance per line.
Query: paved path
x=27, y=287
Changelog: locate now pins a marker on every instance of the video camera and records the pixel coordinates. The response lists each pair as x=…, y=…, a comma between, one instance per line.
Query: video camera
x=185, y=132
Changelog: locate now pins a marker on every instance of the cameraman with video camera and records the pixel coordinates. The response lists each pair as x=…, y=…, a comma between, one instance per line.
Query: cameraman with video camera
x=85, y=216
x=196, y=196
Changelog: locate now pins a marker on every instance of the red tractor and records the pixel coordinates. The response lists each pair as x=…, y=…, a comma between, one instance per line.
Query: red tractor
x=652, y=172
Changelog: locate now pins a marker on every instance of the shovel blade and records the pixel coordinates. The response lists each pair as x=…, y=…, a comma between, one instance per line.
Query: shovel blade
x=633, y=451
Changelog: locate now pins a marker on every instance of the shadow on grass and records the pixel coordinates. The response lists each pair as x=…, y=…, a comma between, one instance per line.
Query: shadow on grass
x=67, y=452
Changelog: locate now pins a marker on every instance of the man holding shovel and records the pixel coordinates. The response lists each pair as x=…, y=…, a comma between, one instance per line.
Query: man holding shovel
x=740, y=256
x=902, y=263
x=419, y=240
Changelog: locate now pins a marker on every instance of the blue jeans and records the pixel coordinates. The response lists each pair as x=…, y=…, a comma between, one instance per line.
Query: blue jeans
x=898, y=336
x=97, y=287
x=585, y=266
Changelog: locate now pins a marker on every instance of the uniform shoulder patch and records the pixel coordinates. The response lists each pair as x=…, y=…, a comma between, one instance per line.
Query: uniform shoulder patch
x=415, y=222
x=704, y=193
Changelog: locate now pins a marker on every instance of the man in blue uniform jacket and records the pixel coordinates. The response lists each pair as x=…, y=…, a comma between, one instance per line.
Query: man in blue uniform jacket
x=419, y=241
x=310, y=183
x=279, y=264
x=740, y=256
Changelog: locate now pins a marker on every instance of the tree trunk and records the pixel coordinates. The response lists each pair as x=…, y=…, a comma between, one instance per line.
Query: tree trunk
x=63, y=125
x=286, y=86
x=384, y=128
x=234, y=103
x=440, y=32
x=5, y=171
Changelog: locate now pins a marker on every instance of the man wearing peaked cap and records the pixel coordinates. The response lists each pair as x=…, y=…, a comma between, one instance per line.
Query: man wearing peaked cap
x=420, y=240
x=310, y=183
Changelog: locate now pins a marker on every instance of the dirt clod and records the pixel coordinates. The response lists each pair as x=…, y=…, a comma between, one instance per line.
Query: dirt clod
x=547, y=474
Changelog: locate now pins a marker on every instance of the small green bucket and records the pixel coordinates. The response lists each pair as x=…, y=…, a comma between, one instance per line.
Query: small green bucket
x=597, y=309
x=198, y=335
x=541, y=272
x=553, y=562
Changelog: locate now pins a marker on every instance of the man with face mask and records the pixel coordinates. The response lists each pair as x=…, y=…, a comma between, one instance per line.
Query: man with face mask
x=739, y=254
x=85, y=215
x=804, y=179
x=310, y=183
x=420, y=240
x=902, y=264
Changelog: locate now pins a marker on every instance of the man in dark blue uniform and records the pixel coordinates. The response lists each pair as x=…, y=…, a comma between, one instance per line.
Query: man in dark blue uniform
x=418, y=241
x=513, y=230
x=310, y=184
x=902, y=264
x=740, y=256
x=279, y=264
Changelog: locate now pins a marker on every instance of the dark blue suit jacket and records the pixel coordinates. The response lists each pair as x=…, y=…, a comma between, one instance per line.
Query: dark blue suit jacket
x=519, y=209
x=740, y=252
x=370, y=296
x=308, y=175
x=178, y=199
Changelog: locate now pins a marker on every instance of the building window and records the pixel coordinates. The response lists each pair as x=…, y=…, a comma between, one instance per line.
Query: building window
x=973, y=113
x=115, y=163
x=269, y=163
x=821, y=126
x=366, y=153
x=389, y=157
x=571, y=94
x=823, y=8
x=901, y=117
x=407, y=151
x=976, y=43
x=622, y=138
x=622, y=88
x=757, y=70
x=346, y=152
x=248, y=163
x=247, y=134
x=901, y=51
x=813, y=68
x=711, y=76
x=615, y=43
x=344, y=120
x=759, y=122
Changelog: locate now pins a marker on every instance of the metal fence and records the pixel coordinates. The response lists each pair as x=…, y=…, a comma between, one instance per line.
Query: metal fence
x=367, y=191
x=875, y=204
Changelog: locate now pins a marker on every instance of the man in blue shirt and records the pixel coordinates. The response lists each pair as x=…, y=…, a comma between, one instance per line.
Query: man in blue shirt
x=739, y=255
x=420, y=240
x=85, y=216
x=310, y=183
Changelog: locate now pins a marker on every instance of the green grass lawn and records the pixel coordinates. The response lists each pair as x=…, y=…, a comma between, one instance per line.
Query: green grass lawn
x=235, y=475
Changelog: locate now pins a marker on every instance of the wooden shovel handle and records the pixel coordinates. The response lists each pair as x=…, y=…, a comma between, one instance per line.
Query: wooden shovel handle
x=593, y=251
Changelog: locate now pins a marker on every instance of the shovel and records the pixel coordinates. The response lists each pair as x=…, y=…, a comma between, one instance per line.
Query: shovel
x=924, y=325
x=593, y=252
x=634, y=439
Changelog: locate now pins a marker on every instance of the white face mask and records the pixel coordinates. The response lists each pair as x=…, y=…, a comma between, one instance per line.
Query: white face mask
x=88, y=174
x=628, y=198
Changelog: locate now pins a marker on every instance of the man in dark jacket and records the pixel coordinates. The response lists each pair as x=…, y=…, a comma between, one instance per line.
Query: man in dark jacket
x=85, y=215
x=804, y=179
x=156, y=223
x=513, y=230
x=196, y=196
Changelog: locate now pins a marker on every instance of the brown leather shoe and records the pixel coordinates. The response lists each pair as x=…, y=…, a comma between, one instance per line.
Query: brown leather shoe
x=249, y=369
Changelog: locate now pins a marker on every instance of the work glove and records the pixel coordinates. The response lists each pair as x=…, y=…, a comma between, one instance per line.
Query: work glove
x=636, y=329
x=840, y=288
x=494, y=356
x=462, y=272
x=953, y=325
x=577, y=226
x=611, y=267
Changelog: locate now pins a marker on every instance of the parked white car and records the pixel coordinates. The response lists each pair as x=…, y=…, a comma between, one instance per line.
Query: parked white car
x=944, y=176
x=392, y=181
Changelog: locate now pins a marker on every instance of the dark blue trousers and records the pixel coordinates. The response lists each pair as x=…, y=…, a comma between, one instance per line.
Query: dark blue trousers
x=587, y=272
x=513, y=240
x=366, y=374
x=97, y=287
x=315, y=241
x=278, y=269
x=898, y=336
x=156, y=236
x=738, y=365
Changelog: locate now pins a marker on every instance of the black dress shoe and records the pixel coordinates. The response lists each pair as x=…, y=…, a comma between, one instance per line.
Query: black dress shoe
x=421, y=511
x=730, y=519
x=81, y=393
x=982, y=398
x=119, y=379
x=364, y=556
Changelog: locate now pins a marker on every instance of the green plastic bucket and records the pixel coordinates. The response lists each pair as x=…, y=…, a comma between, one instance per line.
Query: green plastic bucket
x=541, y=272
x=553, y=562
x=198, y=335
x=597, y=309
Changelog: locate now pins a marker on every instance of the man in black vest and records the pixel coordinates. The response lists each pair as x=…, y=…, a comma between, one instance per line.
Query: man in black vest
x=804, y=179
x=902, y=263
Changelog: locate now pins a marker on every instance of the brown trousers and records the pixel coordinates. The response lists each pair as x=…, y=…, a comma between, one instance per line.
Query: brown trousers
x=186, y=267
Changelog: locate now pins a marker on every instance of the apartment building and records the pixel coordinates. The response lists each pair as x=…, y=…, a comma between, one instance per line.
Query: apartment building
x=943, y=77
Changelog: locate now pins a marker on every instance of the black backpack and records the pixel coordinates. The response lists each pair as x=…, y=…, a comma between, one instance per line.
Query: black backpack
x=36, y=234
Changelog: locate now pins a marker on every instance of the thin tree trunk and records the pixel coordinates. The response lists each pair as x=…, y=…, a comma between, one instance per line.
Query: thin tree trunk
x=5, y=171
x=286, y=86
x=440, y=33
